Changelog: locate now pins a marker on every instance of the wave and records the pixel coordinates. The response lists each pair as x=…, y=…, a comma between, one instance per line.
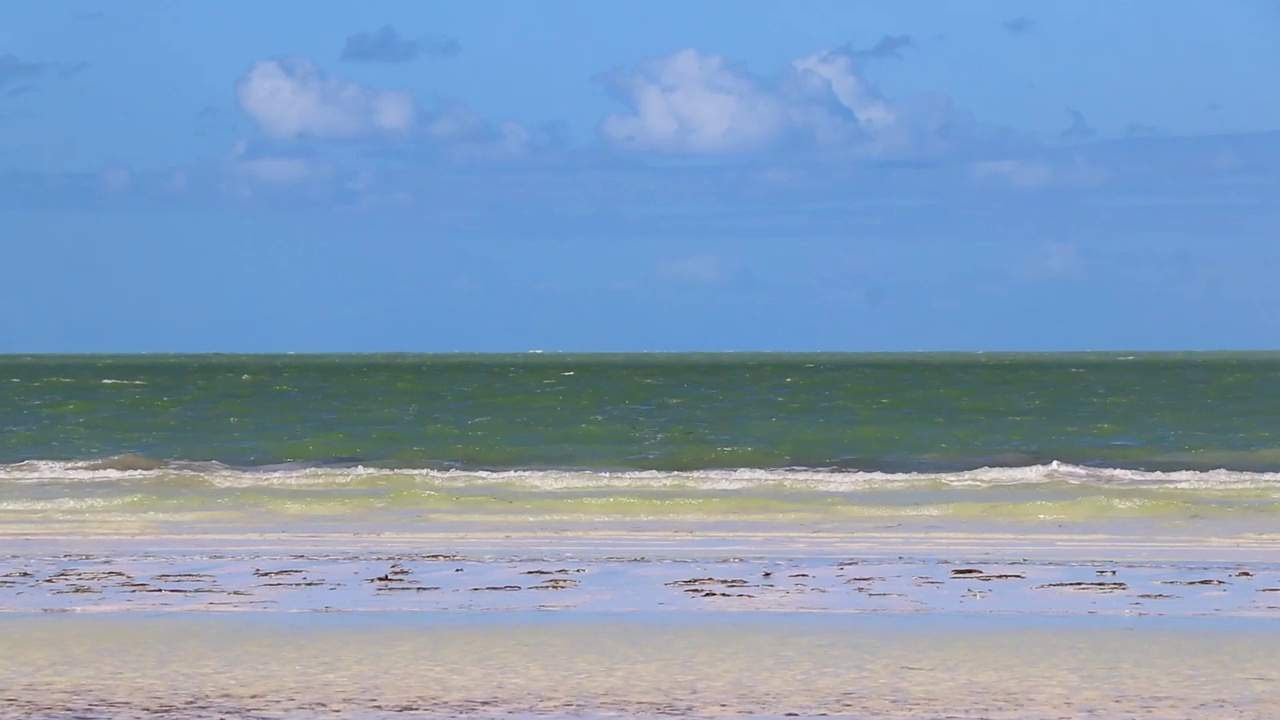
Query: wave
x=139, y=469
x=432, y=507
x=137, y=491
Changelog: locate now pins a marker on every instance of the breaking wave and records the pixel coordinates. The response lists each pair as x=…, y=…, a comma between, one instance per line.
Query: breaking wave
x=141, y=469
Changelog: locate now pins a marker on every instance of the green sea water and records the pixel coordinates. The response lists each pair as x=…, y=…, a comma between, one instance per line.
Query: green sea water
x=406, y=437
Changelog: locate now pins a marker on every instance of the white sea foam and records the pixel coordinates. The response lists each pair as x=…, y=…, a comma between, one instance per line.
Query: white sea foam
x=136, y=468
x=63, y=504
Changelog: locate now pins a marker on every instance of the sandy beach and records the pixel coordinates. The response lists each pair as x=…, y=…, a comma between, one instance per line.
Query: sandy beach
x=634, y=665
x=642, y=623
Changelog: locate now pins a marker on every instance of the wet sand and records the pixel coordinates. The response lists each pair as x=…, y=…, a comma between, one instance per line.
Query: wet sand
x=885, y=572
x=641, y=621
x=406, y=581
x=591, y=665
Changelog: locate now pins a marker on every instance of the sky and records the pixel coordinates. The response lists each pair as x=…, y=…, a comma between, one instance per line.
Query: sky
x=660, y=176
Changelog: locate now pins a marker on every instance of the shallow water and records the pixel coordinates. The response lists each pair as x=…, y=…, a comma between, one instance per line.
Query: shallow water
x=379, y=442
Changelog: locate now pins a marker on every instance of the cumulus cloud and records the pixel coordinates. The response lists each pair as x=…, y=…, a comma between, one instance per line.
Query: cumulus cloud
x=293, y=98
x=690, y=102
x=385, y=45
x=695, y=103
x=833, y=73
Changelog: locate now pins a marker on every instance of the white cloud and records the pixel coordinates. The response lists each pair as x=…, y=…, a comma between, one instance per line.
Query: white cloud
x=873, y=113
x=693, y=103
x=690, y=102
x=1036, y=174
x=277, y=169
x=292, y=98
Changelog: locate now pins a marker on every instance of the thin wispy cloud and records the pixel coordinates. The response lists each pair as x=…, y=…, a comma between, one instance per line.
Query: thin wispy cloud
x=13, y=69
x=16, y=70
x=115, y=178
x=1019, y=25
x=706, y=269
x=385, y=45
x=66, y=70
x=210, y=121
x=1078, y=129
x=440, y=46
x=889, y=46
x=256, y=167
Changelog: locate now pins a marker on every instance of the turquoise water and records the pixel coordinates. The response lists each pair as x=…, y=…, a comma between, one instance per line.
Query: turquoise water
x=402, y=437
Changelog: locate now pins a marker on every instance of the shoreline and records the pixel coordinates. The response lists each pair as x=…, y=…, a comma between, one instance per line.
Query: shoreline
x=1078, y=542
x=885, y=572
x=641, y=620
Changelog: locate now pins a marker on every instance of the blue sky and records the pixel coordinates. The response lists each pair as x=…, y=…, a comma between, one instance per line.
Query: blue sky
x=490, y=176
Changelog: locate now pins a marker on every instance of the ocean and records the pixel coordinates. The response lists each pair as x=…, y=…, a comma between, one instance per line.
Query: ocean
x=386, y=442
x=575, y=536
